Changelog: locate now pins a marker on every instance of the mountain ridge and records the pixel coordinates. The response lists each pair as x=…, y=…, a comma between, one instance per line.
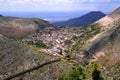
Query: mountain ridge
x=1, y=15
x=105, y=44
x=82, y=20
x=19, y=27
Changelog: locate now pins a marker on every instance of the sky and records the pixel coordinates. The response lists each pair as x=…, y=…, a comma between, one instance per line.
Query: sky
x=58, y=5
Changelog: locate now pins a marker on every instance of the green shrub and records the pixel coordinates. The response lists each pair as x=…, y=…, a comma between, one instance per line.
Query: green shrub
x=96, y=72
x=40, y=44
x=78, y=73
x=77, y=46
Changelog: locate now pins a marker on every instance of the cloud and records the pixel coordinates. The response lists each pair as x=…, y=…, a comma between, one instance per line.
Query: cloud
x=52, y=1
x=99, y=0
x=57, y=5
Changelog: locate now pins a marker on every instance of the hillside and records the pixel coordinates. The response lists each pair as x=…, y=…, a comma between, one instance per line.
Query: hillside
x=16, y=57
x=105, y=47
x=19, y=27
x=98, y=46
x=83, y=20
x=109, y=36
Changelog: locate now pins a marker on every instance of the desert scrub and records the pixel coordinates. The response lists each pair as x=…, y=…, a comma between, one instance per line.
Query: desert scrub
x=78, y=73
x=111, y=72
x=83, y=72
x=84, y=34
x=77, y=46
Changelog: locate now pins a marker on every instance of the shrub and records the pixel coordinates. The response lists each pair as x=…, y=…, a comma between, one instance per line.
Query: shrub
x=96, y=72
x=38, y=44
x=78, y=73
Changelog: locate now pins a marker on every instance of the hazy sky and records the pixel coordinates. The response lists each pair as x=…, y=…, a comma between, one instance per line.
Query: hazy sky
x=58, y=5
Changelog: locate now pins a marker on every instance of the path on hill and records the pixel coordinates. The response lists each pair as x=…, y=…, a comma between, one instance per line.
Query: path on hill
x=31, y=69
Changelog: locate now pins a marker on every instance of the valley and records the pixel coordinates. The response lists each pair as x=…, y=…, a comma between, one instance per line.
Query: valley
x=28, y=42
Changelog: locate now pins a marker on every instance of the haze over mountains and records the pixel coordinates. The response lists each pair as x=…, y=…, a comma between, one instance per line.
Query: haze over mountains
x=28, y=42
x=83, y=20
x=13, y=26
x=49, y=16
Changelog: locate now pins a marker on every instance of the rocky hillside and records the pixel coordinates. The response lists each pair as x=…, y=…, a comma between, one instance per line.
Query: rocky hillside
x=107, y=42
x=105, y=47
x=16, y=57
x=83, y=20
x=99, y=44
x=19, y=27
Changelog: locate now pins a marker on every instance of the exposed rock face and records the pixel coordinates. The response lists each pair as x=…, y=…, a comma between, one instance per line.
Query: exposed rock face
x=18, y=27
x=111, y=20
x=107, y=44
x=83, y=20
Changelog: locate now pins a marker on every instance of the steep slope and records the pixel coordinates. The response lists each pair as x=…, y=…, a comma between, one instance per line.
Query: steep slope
x=16, y=57
x=83, y=20
x=19, y=27
x=107, y=43
x=101, y=47
x=106, y=51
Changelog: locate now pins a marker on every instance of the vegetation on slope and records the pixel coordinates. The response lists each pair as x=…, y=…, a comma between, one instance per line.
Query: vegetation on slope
x=38, y=44
x=83, y=72
x=83, y=35
x=16, y=57
x=109, y=63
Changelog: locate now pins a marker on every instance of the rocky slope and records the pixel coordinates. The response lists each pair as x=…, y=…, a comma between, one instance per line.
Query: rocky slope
x=108, y=39
x=83, y=20
x=105, y=47
x=16, y=57
x=19, y=27
x=102, y=48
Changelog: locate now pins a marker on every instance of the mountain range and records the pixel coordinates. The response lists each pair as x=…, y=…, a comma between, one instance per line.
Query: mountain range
x=0, y=15
x=83, y=20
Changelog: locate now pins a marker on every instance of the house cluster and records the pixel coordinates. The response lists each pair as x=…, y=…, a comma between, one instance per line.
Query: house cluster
x=54, y=38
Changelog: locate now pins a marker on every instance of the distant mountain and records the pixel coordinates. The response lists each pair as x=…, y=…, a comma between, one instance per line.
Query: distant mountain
x=83, y=20
x=1, y=15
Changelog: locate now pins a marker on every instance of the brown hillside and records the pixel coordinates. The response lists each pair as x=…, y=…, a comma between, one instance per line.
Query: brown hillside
x=16, y=57
x=107, y=43
x=19, y=27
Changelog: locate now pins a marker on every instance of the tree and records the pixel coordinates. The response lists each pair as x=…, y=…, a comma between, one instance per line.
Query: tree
x=96, y=73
